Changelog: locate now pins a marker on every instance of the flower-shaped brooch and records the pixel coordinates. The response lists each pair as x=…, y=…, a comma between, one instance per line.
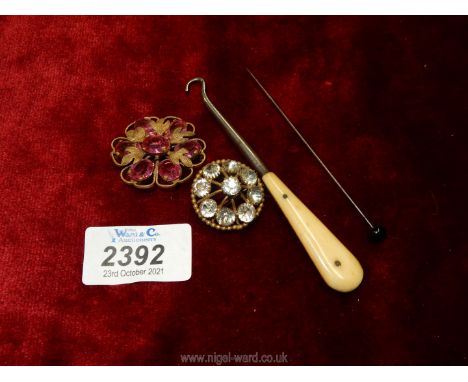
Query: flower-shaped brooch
x=158, y=151
x=227, y=195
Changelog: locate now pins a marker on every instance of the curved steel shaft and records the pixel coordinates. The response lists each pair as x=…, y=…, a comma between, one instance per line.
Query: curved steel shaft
x=233, y=134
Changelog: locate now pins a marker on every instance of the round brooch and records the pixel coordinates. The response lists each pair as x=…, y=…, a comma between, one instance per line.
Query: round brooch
x=158, y=151
x=227, y=194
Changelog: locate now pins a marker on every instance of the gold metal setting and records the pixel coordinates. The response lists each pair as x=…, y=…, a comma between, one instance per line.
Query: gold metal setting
x=225, y=200
x=177, y=158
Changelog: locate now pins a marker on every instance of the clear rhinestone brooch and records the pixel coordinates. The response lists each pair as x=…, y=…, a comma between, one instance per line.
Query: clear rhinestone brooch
x=227, y=194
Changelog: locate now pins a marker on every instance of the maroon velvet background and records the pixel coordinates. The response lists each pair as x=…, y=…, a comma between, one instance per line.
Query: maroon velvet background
x=382, y=99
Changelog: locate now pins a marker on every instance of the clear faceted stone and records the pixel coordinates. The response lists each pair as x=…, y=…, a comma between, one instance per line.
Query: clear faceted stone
x=248, y=176
x=255, y=195
x=208, y=208
x=231, y=166
x=212, y=171
x=246, y=212
x=201, y=187
x=231, y=186
x=225, y=217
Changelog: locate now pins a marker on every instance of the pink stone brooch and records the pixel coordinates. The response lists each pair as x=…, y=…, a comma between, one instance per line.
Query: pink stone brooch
x=158, y=151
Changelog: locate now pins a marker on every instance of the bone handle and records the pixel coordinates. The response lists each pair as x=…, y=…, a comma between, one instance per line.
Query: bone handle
x=337, y=265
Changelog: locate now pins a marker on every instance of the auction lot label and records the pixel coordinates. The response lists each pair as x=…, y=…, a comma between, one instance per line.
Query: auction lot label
x=124, y=255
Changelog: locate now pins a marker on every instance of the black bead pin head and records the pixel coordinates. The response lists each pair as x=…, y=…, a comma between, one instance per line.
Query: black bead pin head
x=377, y=234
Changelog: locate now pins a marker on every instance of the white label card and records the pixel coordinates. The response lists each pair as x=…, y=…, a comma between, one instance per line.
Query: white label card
x=124, y=255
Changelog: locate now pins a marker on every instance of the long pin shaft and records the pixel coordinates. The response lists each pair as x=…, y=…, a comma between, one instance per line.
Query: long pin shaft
x=283, y=114
x=336, y=264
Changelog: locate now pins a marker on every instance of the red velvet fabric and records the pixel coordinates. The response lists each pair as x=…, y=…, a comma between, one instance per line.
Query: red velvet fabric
x=382, y=99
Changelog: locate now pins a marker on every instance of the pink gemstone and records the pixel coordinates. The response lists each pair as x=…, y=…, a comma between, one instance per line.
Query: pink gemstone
x=178, y=122
x=169, y=171
x=156, y=144
x=141, y=170
x=145, y=123
x=121, y=147
x=193, y=147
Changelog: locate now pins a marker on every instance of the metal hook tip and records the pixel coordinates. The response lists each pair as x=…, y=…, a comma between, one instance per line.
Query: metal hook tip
x=196, y=79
